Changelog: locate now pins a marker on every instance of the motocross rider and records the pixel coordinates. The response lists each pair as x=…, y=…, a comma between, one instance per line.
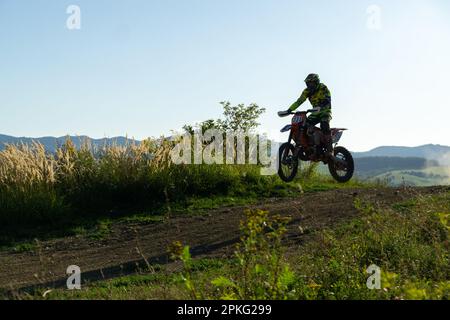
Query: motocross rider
x=320, y=98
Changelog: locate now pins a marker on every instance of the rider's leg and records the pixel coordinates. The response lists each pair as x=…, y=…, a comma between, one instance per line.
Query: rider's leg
x=317, y=138
x=312, y=122
x=325, y=127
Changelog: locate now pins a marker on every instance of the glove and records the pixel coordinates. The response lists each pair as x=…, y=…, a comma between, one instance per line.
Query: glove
x=284, y=113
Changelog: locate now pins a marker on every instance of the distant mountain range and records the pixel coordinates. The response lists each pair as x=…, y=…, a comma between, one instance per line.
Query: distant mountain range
x=430, y=152
x=51, y=143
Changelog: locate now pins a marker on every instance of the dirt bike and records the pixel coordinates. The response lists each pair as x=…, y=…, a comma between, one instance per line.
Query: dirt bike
x=300, y=146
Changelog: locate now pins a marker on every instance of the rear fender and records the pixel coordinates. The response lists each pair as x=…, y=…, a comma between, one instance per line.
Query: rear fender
x=336, y=134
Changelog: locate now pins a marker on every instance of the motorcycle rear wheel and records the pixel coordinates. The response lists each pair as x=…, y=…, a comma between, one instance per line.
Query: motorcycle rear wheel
x=287, y=162
x=342, y=173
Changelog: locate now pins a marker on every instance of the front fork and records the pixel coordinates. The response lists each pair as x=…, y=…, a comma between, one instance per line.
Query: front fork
x=284, y=160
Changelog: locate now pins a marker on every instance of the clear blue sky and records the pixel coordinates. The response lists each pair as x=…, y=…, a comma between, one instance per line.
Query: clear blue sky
x=143, y=68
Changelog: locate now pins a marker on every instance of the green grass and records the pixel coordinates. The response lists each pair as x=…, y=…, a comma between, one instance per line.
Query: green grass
x=408, y=243
x=143, y=219
x=24, y=247
x=102, y=230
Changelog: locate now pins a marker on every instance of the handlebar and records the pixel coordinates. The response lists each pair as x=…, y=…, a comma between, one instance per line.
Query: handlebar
x=283, y=114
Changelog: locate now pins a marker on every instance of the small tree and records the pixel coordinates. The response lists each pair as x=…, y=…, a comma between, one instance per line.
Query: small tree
x=202, y=126
x=236, y=118
x=240, y=117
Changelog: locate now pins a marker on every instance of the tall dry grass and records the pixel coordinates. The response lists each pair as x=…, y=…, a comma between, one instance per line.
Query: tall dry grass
x=38, y=186
x=27, y=179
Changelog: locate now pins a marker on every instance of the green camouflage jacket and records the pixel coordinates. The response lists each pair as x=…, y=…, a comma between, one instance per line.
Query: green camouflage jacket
x=320, y=99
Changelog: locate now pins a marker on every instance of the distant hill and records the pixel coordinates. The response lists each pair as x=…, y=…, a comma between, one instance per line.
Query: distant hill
x=51, y=143
x=430, y=176
x=430, y=152
x=372, y=166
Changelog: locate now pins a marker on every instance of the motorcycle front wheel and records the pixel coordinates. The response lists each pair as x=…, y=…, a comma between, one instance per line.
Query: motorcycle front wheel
x=287, y=162
x=343, y=167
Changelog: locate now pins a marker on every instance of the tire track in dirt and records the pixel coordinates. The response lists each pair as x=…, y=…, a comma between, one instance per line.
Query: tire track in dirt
x=130, y=247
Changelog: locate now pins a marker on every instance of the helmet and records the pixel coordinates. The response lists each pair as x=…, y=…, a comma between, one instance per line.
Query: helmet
x=312, y=81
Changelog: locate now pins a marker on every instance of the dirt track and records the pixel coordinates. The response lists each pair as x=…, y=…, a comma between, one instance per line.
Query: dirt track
x=130, y=246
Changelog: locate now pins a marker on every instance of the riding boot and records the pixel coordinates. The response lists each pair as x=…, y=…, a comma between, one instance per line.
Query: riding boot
x=317, y=145
x=317, y=151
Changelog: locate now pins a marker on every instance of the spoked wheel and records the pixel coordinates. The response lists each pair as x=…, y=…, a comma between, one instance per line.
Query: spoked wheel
x=287, y=162
x=343, y=167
